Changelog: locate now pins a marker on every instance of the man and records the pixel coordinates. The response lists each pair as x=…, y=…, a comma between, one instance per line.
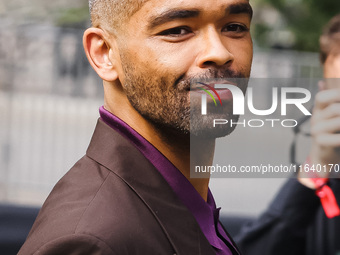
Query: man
x=296, y=222
x=132, y=192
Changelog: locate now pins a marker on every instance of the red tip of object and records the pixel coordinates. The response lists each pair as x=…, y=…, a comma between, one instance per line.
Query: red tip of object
x=328, y=201
x=326, y=195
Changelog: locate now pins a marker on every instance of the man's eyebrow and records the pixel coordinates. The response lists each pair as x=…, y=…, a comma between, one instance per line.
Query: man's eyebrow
x=171, y=15
x=239, y=9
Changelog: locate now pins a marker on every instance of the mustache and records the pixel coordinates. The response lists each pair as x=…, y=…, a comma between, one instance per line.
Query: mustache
x=184, y=82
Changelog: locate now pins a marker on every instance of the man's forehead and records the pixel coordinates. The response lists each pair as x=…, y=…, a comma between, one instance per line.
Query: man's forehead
x=234, y=6
x=156, y=12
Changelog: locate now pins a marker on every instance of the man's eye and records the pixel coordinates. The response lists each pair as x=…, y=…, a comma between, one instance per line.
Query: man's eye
x=238, y=28
x=177, y=31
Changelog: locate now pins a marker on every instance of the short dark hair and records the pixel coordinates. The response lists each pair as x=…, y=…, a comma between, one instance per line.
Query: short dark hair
x=330, y=39
x=111, y=14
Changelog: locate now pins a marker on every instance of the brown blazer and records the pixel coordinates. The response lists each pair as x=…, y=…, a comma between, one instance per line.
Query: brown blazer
x=114, y=201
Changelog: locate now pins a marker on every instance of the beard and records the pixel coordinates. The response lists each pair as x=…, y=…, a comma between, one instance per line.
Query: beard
x=165, y=101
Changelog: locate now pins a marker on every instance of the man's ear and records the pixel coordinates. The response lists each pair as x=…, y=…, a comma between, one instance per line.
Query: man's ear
x=97, y=50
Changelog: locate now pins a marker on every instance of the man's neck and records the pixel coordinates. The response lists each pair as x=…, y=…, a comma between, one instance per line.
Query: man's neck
x=185, y=153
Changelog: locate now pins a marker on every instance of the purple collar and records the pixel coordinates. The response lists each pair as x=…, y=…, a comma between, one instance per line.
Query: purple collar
x=205, y=213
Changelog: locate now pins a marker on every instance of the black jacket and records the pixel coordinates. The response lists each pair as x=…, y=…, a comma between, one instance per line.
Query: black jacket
x=294, y=223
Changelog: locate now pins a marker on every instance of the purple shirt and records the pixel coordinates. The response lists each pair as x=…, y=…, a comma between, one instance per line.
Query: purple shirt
x=205, y=213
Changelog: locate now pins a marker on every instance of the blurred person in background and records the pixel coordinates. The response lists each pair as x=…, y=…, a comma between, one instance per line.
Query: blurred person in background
x=304, y=216
x=132, y=192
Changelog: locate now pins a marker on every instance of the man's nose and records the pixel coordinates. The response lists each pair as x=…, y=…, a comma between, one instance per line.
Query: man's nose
x=213, y=50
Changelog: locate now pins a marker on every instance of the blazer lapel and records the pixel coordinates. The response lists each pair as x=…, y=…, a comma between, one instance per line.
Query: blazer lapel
x=116, y=153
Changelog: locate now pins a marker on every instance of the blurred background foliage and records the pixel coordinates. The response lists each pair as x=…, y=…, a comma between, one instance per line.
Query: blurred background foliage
x=63, y=13
x=291, y=24
x=73, y=17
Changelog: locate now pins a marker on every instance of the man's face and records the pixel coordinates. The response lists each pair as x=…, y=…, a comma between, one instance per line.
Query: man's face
x=332, y=71
x=168, y=43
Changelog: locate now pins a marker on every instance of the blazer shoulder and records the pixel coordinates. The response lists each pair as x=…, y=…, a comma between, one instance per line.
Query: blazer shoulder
x=67, y=202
